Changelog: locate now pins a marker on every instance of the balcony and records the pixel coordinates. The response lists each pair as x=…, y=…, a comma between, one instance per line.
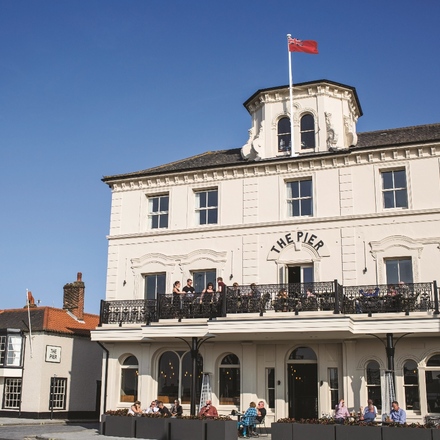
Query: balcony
x=297, y=298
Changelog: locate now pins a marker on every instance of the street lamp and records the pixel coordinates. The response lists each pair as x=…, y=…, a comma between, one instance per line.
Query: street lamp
x=194, y=350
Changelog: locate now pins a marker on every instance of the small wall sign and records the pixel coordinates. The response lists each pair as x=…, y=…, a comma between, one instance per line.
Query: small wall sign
x=53, y=353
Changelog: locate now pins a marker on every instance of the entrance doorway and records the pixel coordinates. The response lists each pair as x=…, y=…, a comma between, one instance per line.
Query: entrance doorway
x=302, y=384
x=299, y=274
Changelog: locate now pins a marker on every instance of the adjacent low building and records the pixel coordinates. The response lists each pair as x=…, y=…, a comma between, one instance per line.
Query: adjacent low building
x=49, y=367
x=332, y=242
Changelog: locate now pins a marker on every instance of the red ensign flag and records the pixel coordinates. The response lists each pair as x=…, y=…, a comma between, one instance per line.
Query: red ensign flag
x=306, y=46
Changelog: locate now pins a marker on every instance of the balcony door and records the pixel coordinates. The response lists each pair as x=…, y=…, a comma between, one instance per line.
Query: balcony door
x=300, y=274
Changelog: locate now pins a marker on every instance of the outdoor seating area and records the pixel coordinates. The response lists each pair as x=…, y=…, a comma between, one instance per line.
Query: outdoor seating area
x=279, y=298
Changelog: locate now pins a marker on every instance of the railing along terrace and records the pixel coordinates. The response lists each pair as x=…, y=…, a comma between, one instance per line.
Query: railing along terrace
x=292, y=297
x=400, y=297
x=138, y=311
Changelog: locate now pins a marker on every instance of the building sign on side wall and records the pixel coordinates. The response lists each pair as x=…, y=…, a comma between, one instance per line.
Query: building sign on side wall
x=53, y=353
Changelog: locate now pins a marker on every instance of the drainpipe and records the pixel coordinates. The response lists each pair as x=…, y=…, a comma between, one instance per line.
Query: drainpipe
x=104, y=388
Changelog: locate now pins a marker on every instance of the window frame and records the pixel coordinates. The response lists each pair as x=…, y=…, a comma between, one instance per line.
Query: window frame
x=333, y=390
x=180, y=360
x=306, y=132
x=408, y=386
x=157, y=288
x=291, y=200
x=394, y=189
x=132, y=367
x=207, y=208
x=430, y=370
x=374, y=386
x=199, y=285
x=236, y=398
x=159, y=214
x=270, y=387
x=57, y=393
x=13, y=382
x=284, y=136
x=388, y=260
x=11, y=357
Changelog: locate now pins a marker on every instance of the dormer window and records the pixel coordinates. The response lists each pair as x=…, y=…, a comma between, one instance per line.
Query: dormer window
x=307, y=127
x=284, y=133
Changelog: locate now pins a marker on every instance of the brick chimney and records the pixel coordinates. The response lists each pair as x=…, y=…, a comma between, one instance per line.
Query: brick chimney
x=73, y=299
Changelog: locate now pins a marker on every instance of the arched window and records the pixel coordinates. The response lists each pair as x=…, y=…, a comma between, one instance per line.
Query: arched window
x=174, y=376
x=303, y=354
x=307, y=128
x=432, y=377
x=284, y=134
x=373, y=383
x=129, y=379
x=411, y=384
x=229, y=380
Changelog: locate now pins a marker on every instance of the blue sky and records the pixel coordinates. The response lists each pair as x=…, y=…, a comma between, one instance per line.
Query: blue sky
x=100, y=87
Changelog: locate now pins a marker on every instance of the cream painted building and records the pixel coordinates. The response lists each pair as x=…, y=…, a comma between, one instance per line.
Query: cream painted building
x=348, y=226
x=49, y=367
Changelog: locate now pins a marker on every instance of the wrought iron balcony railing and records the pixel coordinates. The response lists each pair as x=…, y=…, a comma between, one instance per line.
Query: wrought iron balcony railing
x=295, y=297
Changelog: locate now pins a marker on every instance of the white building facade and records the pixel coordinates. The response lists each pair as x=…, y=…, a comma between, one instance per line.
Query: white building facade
x=348, y=226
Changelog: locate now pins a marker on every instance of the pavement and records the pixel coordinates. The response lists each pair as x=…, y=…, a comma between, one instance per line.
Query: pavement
x=81, y=429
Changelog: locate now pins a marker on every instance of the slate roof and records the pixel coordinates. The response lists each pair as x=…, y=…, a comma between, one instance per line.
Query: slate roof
x=226, y=158
x=48, y=319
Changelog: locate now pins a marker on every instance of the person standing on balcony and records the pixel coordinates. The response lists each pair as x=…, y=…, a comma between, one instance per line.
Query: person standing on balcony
x=221, y=287
x=208, y=294
x=189, y=288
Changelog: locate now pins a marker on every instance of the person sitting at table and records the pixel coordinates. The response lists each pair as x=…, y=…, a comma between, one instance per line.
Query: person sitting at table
x=341, y=412
x=135, y=409
x=368, y=414
x=261, y=410
x=370, y=402
x=163, y=410
x=366, y=298
x=176, y=409
x=397, y=415
x=281, y=303
x=153, y=408
x=247, y=422
x=208, y=410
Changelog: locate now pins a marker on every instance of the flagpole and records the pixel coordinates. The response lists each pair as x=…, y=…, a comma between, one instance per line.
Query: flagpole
x=29, y=321
x=292, y=149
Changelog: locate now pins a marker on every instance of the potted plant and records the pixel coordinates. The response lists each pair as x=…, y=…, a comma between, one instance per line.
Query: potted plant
x=413, y=431
x=358, y=430
x=152, y=425
x=314, y=429
x=282, y=429
x=221, y=428
x=187, y=428
x=119, y=424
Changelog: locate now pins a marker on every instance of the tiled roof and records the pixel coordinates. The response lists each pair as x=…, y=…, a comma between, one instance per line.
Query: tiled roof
x=48, y=319
x=224, y=158
x=399, y=136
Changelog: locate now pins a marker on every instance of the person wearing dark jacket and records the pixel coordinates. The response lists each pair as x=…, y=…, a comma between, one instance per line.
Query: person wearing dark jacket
x=176, y=409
